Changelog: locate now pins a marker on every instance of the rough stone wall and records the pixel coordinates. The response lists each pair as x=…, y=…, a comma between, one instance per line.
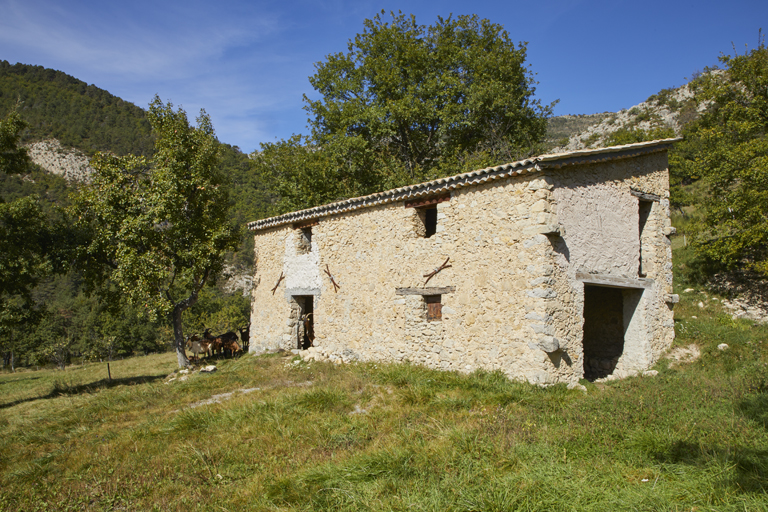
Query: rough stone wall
x=501, y=268
x=515, y=247
x=270, y=315
x=601, y=235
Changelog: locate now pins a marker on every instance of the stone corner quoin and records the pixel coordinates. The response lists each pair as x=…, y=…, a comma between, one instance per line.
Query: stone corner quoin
x=550, y=269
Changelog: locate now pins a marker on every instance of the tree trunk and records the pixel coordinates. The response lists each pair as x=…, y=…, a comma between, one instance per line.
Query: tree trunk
x=178, y=335
x=13, y=368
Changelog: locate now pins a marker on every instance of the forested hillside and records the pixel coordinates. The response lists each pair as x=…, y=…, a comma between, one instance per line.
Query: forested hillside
x=89, y=119
x=79, y=115
x=59, y=320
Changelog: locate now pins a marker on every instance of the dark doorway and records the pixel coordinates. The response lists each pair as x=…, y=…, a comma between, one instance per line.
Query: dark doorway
x=306, y=324
x=603, y=330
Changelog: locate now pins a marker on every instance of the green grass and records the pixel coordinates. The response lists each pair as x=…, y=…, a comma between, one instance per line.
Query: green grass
x=314, y=436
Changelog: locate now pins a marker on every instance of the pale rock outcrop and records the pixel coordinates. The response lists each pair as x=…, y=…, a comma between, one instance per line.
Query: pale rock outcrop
x=68, y=163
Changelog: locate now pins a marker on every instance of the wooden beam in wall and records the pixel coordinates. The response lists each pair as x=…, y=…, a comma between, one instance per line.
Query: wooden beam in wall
x=613, y=281
x=425, y=291
x=645, y=195
x=427, y=201
x=306, y=224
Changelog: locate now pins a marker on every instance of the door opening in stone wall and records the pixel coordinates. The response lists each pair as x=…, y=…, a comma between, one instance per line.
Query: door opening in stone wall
x=608, y=315
x=305, y=328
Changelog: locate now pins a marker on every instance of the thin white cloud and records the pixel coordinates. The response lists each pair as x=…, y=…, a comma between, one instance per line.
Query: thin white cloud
x=162, y=43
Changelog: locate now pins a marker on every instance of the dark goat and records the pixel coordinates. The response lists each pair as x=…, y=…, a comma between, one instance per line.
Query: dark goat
x=245, y=336
x=226, y=343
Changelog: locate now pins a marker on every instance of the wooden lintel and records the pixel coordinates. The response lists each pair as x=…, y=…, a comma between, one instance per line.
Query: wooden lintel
x=614, y=282
x=427, y=201
x=306, y=224
x=425, y=291
x=645, y=195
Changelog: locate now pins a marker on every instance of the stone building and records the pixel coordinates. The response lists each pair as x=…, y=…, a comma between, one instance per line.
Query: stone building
x=549, y=269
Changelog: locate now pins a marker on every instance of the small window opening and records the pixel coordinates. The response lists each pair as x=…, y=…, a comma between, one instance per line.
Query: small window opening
x=304, y=243
x=426, y=213
x=428, y=218
x=644, y=210
x=434, y=307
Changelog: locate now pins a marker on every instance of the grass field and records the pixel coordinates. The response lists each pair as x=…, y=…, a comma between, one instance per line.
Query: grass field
x=312, y=436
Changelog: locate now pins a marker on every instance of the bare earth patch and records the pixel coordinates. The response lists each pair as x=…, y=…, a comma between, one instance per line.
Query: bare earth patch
x=681, y=355
x=217, y=399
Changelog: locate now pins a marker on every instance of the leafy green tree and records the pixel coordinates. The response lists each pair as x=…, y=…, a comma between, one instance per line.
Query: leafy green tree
x=160, y=228
x=407, y=103
x=633, y=135
x=732, y=159
x=55, y=337
x=218, y=311
x=25, y=241
x=30, y=250
x=30, y=241
x=18, y=317
x=13, y=157
x=302, y=174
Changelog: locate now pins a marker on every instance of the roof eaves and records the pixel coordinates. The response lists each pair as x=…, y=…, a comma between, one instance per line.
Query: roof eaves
x=477, y=177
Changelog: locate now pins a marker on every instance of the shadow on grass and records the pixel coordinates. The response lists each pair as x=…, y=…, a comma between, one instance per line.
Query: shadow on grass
x=755, y=407
x=14, y=381
x=61, y=389
x=750, y=466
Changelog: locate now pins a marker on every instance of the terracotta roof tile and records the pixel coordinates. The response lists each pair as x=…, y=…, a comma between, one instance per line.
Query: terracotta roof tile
x=536, y=164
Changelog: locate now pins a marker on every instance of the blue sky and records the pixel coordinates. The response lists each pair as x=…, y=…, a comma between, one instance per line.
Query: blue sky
x=247, y=63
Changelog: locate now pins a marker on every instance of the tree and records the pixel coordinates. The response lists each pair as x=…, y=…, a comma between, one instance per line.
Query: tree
x=409, y=103
x=24, y=228
x=301, y=174
x=160, y=227
x=25, y=245
x=30, y=243
x=731, y=139
x=634, y=135
x=13, y=157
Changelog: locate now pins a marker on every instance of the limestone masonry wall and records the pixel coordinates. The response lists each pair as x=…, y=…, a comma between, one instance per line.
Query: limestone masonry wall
x=512, y=299
x=600, y=220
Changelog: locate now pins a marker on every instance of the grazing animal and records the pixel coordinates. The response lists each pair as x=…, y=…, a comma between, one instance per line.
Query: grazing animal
x=229, y=343
x=245, y=336
x=214, y=341
x=224, y=343
x=198, y=346
x=308, y=331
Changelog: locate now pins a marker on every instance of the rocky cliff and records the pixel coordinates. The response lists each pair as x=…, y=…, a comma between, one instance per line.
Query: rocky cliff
x=68, y=163
x=670, y=109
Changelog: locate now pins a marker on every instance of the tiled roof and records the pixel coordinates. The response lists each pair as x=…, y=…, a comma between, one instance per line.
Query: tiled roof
x=536, y=164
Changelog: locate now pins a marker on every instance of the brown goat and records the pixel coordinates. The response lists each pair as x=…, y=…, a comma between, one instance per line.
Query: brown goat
x=213, y=341
x=226, y=343
x=229, y=343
